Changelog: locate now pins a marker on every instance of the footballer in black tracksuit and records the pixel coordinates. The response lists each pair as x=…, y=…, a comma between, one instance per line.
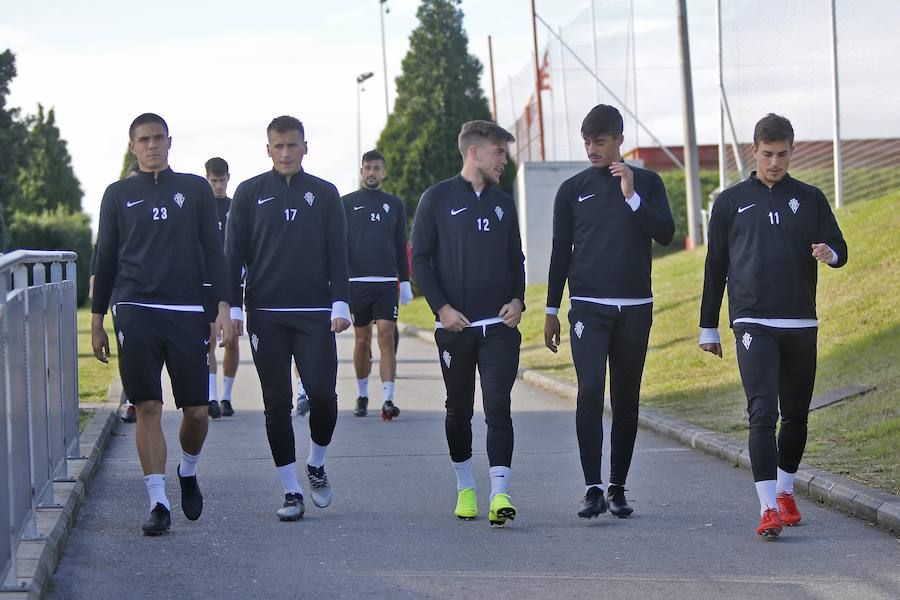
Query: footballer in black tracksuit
x=601, y=246
x=223, y=205
x=157, y=241
x=376, y=252
x=759, y=243
x=291, y=235
x=467, y=252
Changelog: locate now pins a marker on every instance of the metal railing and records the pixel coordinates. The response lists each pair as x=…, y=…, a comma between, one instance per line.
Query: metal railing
x=39, y=384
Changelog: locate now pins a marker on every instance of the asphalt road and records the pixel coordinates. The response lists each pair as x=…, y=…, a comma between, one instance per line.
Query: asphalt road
x=390, y=532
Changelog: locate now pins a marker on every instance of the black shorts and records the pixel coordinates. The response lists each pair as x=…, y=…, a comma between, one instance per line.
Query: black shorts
x=373, y=301
x=147, y=338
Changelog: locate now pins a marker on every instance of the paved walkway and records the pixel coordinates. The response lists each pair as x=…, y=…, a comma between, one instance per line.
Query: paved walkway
x=390, y=532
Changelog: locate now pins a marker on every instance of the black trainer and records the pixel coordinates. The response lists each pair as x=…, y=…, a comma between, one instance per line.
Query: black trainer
x=159, y=521
x=593, y=503
x=214, y=411
x=292, y=509
x=191, y=498
x=362, y=406
x=618, y=505
x=227, y=410
x=389, y=411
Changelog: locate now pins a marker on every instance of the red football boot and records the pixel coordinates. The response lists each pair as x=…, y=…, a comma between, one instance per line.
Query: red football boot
x=790, y=516
x=770, y=525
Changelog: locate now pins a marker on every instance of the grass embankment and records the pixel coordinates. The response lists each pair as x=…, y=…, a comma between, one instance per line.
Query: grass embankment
x=94, y=377
x=859, y=342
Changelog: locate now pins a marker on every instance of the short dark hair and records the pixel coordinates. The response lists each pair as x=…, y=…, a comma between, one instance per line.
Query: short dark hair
x=284, y=123
x=773, y=128
x=216, y=166
x=133, y=167
x=479, y=132
x=143, y=120
x=602, y=119
x=373, y=155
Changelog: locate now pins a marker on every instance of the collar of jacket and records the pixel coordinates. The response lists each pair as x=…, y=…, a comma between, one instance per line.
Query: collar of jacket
x=467, y=185
x=153, y=177
x=778, y=184
x=281, y=178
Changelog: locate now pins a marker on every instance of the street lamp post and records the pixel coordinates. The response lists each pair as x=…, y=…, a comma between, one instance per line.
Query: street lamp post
x=359, y=89
x=383, y=9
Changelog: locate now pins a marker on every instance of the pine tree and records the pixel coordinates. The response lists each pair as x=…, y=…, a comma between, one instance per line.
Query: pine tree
x=438, y=90
x=46, y=179
x=126, y=162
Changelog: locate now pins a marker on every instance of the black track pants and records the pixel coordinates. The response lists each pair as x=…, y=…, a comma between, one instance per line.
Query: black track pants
x=275, y=338
x=778, y=370
x=494, y=350
x=599, y=333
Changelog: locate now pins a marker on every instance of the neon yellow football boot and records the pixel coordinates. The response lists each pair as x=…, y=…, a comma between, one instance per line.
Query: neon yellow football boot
x=501, y=510
x=466, y=505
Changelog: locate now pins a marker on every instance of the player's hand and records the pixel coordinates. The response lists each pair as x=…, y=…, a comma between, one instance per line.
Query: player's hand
x=551, y=332
x=406, y=294
x=237, y=326
x=452, y=319
x=223, y=326
x=620, y=169
x=100, y=343
x=712, y=349
x=340, y=324
x=822, y=253
x=511, y=312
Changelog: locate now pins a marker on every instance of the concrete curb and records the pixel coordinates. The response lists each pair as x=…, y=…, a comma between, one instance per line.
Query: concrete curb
x=875, y=506
x=37, y=559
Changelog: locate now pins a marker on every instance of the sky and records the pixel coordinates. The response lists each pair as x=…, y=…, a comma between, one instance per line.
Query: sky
x=218, y=72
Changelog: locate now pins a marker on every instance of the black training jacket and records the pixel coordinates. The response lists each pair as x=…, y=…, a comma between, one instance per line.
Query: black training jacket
x=157, y=242
x=599, y=244
x=760, y=242
x=376, y=235
x=466, y=250
x=292, y=237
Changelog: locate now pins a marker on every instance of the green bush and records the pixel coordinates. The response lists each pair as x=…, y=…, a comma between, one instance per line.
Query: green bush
x=675, y=189
x=60, y=229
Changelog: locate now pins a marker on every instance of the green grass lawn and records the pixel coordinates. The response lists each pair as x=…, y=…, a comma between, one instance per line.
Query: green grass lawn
x=859, y=342
x=94, y=376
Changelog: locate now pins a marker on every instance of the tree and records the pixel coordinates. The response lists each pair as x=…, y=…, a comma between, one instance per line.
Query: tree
x=438, y=90
x=12, y=139
x=45, y=179
x=126, y=162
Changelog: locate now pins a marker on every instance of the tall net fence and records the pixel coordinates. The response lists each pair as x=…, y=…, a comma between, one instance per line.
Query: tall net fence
x=790, y=72
x=627, y=62
x=776, y=57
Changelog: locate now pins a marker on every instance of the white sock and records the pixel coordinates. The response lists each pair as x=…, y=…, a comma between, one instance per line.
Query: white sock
x=766, y=492
x=300, y=389
x=363, y=385
x=288, y=476
x=464, y=478
x=156, y=488
x=499, y=480
x=599, y=486
x=785, y=482
x=227, y=383
x=188, y=465
x=213, y=394
x=388, y=387
x=316, y=454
